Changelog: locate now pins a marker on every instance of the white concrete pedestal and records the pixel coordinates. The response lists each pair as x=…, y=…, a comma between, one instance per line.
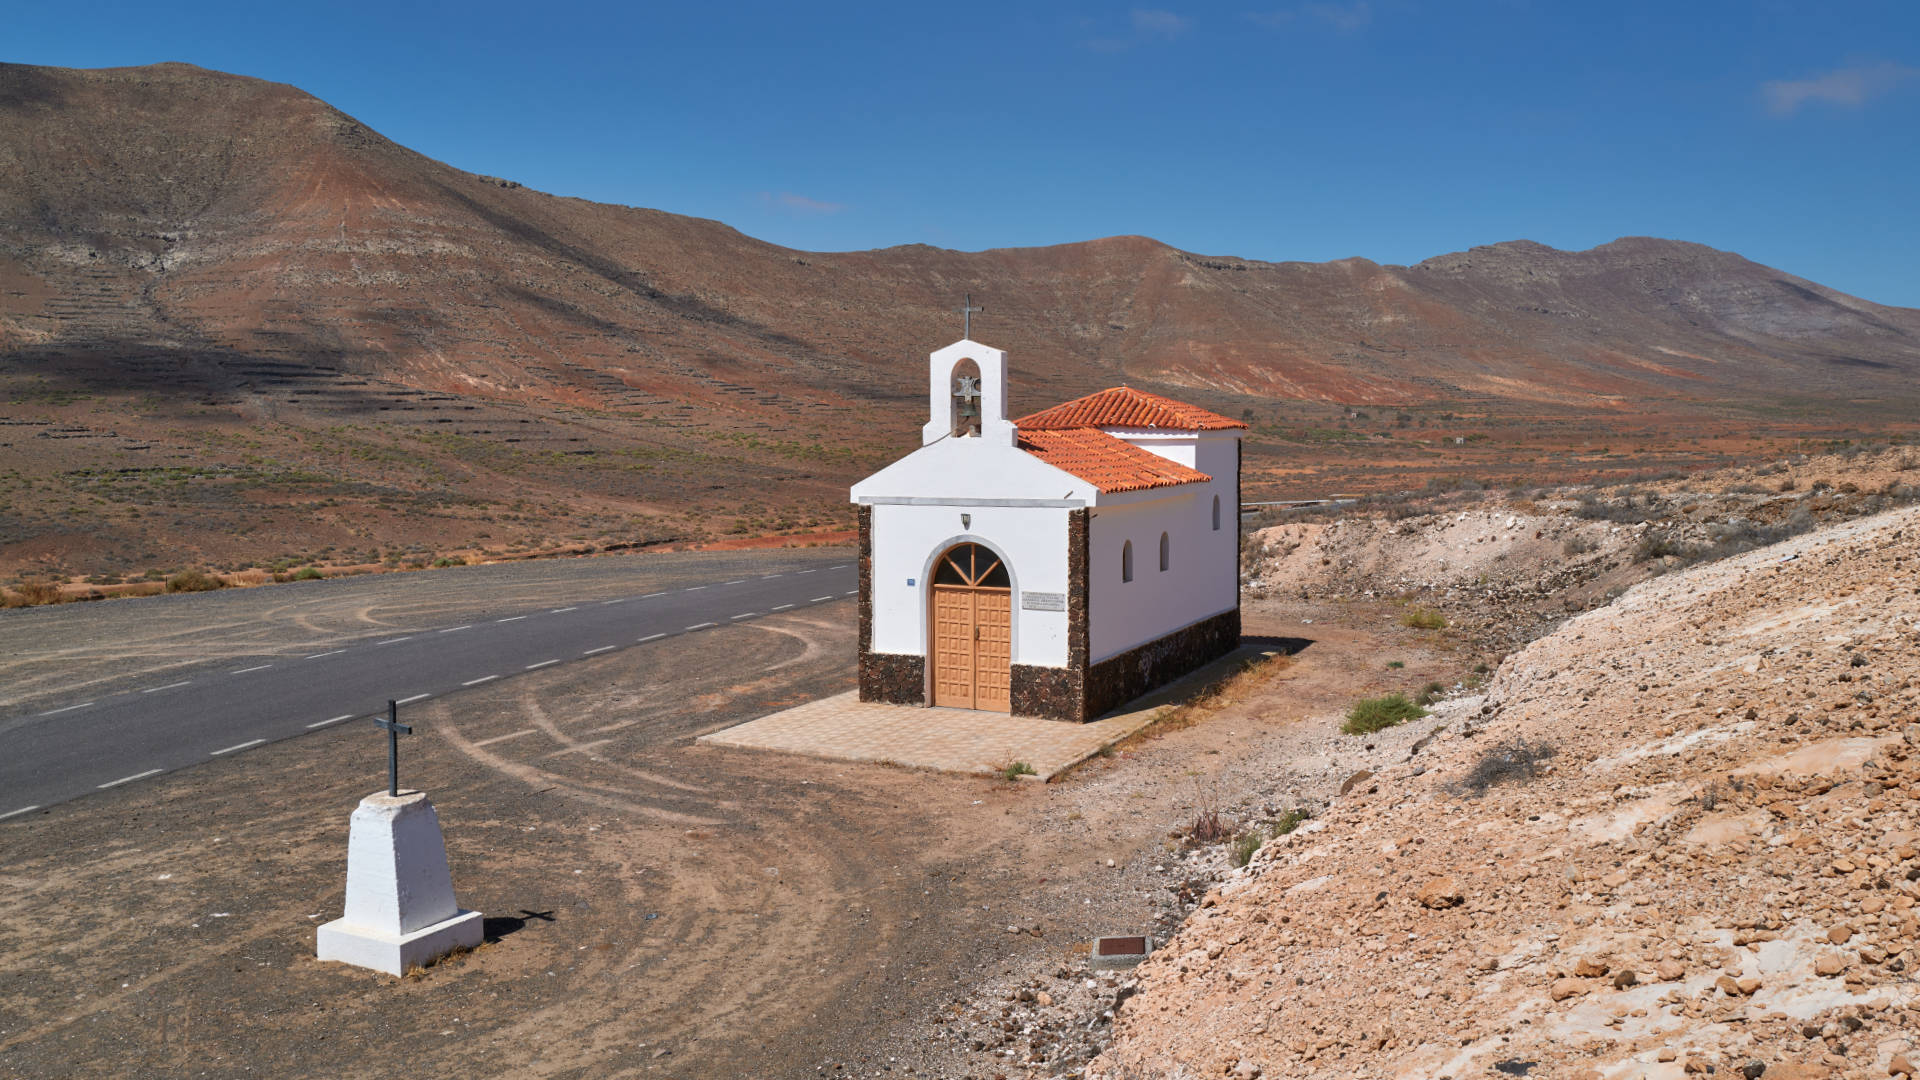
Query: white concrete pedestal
x=400, y=908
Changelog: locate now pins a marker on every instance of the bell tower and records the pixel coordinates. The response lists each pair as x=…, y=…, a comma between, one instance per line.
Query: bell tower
x=967, y=395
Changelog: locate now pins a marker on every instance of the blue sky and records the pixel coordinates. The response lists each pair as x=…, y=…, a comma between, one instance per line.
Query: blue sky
x=1394, y=130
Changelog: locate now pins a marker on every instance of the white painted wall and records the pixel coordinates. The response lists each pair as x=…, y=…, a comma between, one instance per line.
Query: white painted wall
x=1203, y=577
x=1032, y=540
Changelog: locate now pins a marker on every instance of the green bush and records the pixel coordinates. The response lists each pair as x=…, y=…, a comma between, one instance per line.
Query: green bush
x=194, y=581
x=1423, y=618
x=1429, y=693
x=1290, y=821
x=1369, y=715
x=1396, y=665
x=1016, y=770
x=1243, y=848
x=308, y=573
x=449, y=560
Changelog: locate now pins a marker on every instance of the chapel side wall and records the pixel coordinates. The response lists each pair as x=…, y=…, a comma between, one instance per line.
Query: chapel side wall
x=906, y=537
x=1200, y=582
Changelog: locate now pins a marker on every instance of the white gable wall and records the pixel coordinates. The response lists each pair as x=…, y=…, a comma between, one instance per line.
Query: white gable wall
x=1032, y=540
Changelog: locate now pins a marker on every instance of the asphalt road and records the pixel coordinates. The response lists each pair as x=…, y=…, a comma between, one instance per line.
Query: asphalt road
x=213, y=697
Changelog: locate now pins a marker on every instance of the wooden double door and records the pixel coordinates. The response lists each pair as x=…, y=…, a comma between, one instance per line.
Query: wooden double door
x=972, y=631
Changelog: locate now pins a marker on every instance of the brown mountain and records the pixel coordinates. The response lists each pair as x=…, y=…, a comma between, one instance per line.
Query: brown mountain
x=195, y=250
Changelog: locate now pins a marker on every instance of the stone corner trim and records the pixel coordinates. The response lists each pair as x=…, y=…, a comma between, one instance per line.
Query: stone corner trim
x=893, y=678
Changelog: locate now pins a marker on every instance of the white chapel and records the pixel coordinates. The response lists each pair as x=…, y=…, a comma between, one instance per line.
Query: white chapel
x=1055, y=566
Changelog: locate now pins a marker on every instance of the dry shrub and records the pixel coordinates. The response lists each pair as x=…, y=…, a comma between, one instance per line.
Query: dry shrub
x=33, y=594
x=1423, y=618
x=194, y=581
x=1509, y=761
x=1208, y=827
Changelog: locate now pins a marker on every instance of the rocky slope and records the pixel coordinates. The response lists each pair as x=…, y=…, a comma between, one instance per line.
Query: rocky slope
x=1679, y=835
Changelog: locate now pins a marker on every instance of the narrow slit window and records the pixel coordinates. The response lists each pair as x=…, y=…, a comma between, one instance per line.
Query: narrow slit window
x=1126, y=561
x=1166, y=553
x=1216, y=513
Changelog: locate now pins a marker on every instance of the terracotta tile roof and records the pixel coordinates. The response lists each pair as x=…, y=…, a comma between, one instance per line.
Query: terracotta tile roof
x=1107, y=463
x=1124, y=406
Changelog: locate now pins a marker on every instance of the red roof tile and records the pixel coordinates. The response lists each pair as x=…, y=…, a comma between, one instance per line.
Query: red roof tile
x=1110, y=464
x=1126, y=407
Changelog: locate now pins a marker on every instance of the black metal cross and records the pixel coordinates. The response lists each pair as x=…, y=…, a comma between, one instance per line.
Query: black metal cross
x=966, y=312
x=395, y=729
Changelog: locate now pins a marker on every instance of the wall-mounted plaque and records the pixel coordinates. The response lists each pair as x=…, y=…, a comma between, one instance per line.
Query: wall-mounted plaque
x=1043, y=601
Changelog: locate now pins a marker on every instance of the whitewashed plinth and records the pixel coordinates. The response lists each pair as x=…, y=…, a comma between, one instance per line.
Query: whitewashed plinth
x=400, y=910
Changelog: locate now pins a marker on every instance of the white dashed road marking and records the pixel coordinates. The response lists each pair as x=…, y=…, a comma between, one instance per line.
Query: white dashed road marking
x=741, y=581
x=451, y=629
x=601, y=649
x=702, y=626
x=69, y=708
x=478, y=681
x=335, y=720
x=395, y=640
x=622, y=600
x=694, y=588
x=318, y=655
x=818, y=599
x=511, y=618
x=128, y=779
x=782, y=607
x=17, y=813
x=562, y=610
x=414, y=698
x=169, y=686
x=244, y=670
x=748, y=615
x=242, y=746
x=541, y=664
x=651, y=595
x=651, y=637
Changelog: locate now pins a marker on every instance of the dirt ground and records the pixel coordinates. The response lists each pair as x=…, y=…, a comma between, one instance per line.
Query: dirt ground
x=654, y=907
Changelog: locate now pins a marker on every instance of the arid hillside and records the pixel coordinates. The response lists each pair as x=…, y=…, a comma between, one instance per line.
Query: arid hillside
x=1678, y=835
x=376, y=352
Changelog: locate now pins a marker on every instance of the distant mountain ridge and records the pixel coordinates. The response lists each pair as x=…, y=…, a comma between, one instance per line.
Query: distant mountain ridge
x=169, y=210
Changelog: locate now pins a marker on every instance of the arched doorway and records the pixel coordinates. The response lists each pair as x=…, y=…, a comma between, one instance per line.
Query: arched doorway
x=972, y=630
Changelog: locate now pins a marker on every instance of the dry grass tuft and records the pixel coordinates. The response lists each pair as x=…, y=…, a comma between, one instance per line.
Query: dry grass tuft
x=33, y=594
x=194, y=581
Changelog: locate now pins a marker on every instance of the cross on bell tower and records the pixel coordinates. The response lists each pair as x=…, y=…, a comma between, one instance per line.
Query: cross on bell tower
x=966, y=314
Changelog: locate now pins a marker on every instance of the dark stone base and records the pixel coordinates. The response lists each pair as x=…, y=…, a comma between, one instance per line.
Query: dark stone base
x=893, y=678
x=1050, y=693
x=1119, y=679
x=1067, y=693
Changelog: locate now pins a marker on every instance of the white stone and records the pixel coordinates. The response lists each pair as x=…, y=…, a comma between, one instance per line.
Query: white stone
x=400, y=910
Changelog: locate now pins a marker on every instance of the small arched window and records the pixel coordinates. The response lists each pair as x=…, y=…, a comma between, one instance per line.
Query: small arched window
x=1166, y=553
x=1126, y=561
x=1216, y=513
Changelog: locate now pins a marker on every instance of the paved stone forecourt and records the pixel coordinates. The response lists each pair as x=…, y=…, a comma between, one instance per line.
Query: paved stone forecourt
x=959, y=740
